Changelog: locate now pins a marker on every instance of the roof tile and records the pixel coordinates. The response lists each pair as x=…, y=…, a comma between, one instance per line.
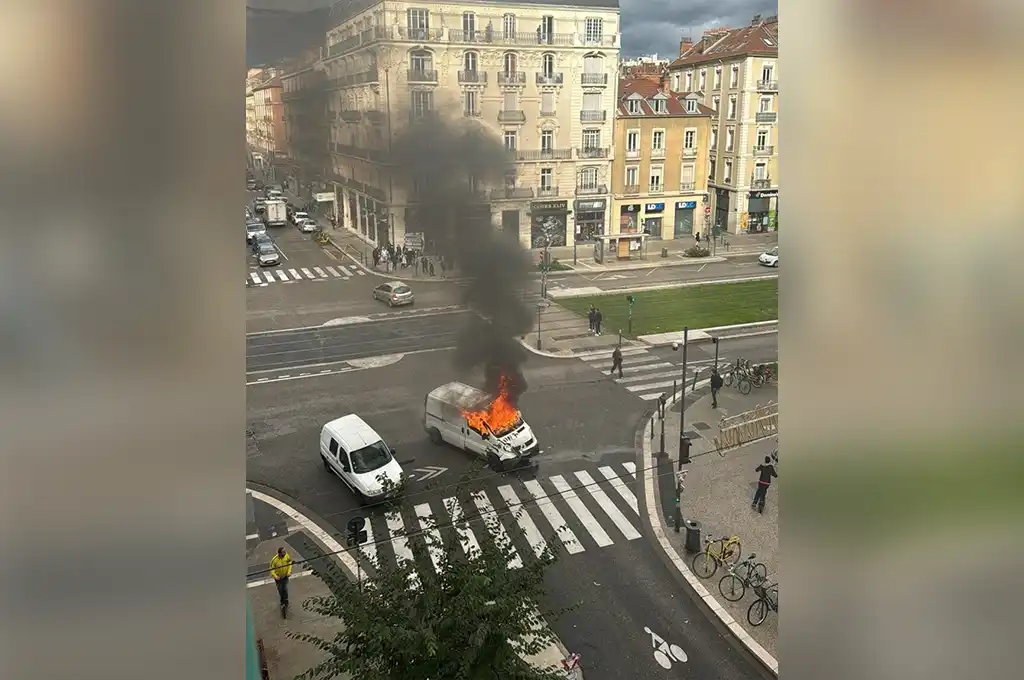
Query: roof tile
x=760, y=39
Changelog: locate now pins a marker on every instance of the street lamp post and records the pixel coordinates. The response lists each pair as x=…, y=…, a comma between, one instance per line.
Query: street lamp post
x=541, y=304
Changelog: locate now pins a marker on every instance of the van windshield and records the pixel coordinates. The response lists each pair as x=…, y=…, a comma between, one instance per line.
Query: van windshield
x=370, y=458
x=502, y=431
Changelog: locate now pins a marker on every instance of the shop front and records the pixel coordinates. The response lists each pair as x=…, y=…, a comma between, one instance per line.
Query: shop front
x=629, y=219
x=364, y=215
x=548, y=223
x=760, y=215
x=510, y=223
x=683, y=227
x=653, y=219
x=589, y=219
x=722, y=210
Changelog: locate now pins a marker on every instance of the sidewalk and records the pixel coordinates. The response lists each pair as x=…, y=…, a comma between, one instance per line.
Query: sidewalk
x=718, y=491
x=566, y=334
x=735, y=245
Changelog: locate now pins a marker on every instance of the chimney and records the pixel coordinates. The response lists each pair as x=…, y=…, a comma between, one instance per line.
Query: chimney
x=684, y=45
x=756, y=21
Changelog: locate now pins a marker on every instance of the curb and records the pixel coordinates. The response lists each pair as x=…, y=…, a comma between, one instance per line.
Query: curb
x=768, y=661
x=570, y=293
x=687, y=262
x=699, y=336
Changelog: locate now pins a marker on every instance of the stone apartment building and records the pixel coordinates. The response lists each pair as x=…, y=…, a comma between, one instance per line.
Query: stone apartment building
x=304, y=97
x=267, y=139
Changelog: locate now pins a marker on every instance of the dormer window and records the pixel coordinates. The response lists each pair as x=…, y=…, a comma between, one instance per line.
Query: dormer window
x=633, y=107
x=659, y=106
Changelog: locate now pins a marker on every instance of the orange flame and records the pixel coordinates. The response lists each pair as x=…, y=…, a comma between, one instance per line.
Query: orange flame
x=499, y=416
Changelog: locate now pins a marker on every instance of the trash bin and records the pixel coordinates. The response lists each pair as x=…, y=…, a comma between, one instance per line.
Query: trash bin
x=664, y=252
x=692, y=536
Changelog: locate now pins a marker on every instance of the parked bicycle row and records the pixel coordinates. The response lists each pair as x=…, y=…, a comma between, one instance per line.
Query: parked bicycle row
x=741, y=574
x=746, y=375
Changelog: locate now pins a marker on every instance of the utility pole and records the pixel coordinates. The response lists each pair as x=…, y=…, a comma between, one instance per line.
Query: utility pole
x=680, y=486
x=684, y=442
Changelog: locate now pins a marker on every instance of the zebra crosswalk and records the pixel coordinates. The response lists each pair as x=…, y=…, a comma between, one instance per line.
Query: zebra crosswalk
x=583, y=511
x=263, y=277
x=646, y=374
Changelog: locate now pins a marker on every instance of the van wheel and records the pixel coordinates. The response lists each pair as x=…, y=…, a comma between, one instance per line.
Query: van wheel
x=327, y=466
x=435, y=435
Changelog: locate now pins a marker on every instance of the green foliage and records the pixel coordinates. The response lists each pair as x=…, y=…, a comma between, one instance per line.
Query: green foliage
x=467, y=620
x=555, y=266
x=696, y=251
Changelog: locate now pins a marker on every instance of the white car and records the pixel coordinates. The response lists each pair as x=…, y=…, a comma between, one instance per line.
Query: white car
x=770, y=258
x=307, y=226
x=298, y=216
x=359, y=457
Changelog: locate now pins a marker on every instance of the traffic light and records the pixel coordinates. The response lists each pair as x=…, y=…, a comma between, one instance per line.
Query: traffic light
x=356, y=532
x=631, y=300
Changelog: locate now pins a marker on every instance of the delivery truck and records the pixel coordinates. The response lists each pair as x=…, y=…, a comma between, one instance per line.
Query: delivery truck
x=276, y=214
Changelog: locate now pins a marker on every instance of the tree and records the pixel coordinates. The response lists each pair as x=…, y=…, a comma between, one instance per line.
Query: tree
x=469, y=619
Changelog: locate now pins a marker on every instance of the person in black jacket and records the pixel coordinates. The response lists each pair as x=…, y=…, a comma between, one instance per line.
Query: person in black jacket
x=716, y=384
x=616, y=361
x=766, y=471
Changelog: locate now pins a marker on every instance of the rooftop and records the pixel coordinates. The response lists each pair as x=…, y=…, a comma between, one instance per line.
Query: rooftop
x=345, y=9
x=760, y=38
x=648, y=90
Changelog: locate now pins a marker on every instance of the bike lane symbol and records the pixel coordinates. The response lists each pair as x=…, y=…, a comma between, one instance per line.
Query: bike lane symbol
x=665, y=653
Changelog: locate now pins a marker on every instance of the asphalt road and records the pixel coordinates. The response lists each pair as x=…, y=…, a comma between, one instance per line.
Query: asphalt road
x=583, y=420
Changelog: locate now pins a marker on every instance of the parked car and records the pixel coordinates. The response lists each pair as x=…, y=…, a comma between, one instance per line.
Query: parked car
x=253, y=229
x=352, y=450
x=308, y=226
x=259, y=240
x=267, y=255
x=395, y=293
x=770, y=258
x=298, y=216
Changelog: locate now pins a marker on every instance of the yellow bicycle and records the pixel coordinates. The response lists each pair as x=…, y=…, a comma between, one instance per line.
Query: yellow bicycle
x=724, y=550
x=321, y=237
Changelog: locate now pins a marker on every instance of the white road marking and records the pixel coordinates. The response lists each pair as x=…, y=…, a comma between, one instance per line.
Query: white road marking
x=255, y=277
x=269, y=276
x=403, y=554
x=281, y=275
x=533, y=535
x=650, y=386
x=269, y=580
x=620, y=487
x=333, y=271
x=308, y=274
x=466, y=536
x=626, y=351
x=320, y=272
x=369, y=549
x=576, y=505
x=651, y=396
x=295, y=274
x=431, y=535
x=252, y=537
x=554, y=518
x=344, y=270
x=360, y=272
x=677, y=374
x=501, y=537
x=610, y=509
x=630, y=468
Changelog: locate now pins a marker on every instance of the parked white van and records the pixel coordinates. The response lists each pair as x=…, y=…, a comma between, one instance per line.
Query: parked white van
x=355, y=453
x=443, y=420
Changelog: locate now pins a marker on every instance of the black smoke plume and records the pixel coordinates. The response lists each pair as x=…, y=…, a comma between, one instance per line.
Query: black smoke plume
x=442, y=163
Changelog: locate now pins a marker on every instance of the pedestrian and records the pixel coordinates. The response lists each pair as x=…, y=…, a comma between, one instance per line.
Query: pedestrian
x=430, y=264
x=592, y=317
x=376, y=257
x=616, y=361
x=696, y=238
x=765, y=471
x=281, y=569
x=716, y=384
x=598, y=317
x=440, y=261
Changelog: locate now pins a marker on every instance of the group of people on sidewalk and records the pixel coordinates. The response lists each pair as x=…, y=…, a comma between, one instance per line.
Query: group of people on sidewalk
x=595, y=317
x=394, y=257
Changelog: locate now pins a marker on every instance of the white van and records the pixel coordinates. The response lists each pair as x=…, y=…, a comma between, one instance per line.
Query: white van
x=444, y=422
x=352, y=450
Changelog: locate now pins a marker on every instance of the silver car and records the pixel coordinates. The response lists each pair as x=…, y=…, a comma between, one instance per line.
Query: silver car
x=268, y=255
x=395, y=293
x=254, y=229
x=308, y=226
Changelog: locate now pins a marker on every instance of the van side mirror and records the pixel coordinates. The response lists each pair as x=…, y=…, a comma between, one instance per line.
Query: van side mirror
x=344, y=466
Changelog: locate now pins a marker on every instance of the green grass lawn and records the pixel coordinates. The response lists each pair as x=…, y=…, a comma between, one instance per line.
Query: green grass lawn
x=663, y=311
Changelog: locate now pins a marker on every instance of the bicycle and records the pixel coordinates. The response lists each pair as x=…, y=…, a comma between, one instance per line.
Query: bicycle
x=762, y=375
x=321, y=237
x=705, y=563
x=733, y=585
x=742, y=374
x=767, y=600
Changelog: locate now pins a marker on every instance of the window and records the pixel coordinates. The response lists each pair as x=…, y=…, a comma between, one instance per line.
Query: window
x=593, y=64
x=422, y=103
x=591, y=139
x=470, y=105
x=547, y=140
x=717, y=82
x=657, y=175
x=632, y=176
x=731, y=115
x=510, y=179
x=508, y=26
x=690, y=139
x=592, y=101
x=659, y=106
x=714, y=138
x=658, y=140
x=760, y=171
x=711, y=169
x=588, y=178
x=632, y=142
x=633, y=107
x=593, y=30
x=691, y=106
x=728, y=173
x=689, y=81
x=762, y=139
x=546, y=30
x=715, y=101
x=765, y=105
x=547, y=103
x=421, y=61
x=419, y=23
x=686, y=176
x=734, y=77
x=702, y=80
x=730, y=138
x=510, y=62
x=510, y=102
x=469, y=25
x=548, y=64
x=675, y=82
x=470, y=61
x=766, y=72
x=547, y=177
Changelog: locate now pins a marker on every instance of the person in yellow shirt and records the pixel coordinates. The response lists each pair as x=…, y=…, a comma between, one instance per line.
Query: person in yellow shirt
x=281, y=569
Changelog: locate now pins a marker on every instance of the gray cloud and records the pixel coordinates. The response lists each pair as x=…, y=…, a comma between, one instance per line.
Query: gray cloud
x=656, y=25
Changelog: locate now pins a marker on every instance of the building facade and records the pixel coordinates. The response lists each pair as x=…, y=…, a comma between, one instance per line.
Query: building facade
x=736, y=72
x=269, y=137
x=539, y=75
x=659, y=175
x=304, y=100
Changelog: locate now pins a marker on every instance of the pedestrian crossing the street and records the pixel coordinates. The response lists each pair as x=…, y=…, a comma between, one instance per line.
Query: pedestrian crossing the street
x=586, y=509
x=646, y=374
x=264, y=277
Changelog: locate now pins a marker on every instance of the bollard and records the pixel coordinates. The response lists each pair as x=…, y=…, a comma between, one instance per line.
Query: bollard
x=652, y=428
x=694, y=387
x=661, y=448
x=673, y=390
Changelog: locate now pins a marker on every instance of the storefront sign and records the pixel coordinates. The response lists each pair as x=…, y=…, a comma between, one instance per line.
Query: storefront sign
x=325, y=197
x=686, y=205
x=414, y=240
x=768, y=193
x=654, y=207
x=590, y=206
x=630, y=208
x=549, y=206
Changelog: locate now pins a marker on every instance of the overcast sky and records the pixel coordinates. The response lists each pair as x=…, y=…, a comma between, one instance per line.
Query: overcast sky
x=656, y=25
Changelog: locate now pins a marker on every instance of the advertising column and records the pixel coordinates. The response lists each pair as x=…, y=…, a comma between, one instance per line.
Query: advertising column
x=548, y=224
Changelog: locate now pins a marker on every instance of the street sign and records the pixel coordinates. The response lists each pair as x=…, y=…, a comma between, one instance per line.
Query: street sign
x=414, y=240
x=324, y=197
x=707, y=210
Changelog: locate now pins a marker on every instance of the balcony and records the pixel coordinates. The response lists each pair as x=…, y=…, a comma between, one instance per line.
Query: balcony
x=766, y=116
x=473, y=77
x=764, y=150
x=765, y=183
x=375, y=117
x=544, y=155
x=511, y=117
x=547, y=192
x=594, y=78
x=591, y=189
x=631, y=189
x=593, y=116
x=351, y=116
x=511, y=193
x=470, y=113
x=687, y=186
x=549, y=78
x=518, y=78
x=632, y=154
x=592, y=152
x=656, y=189
x=658, y=153
x=456, y=36
x=597, y=40
x=767, y=86
x=493, y=37
x=418, y=75
x=420, y=34
x=689, y=152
